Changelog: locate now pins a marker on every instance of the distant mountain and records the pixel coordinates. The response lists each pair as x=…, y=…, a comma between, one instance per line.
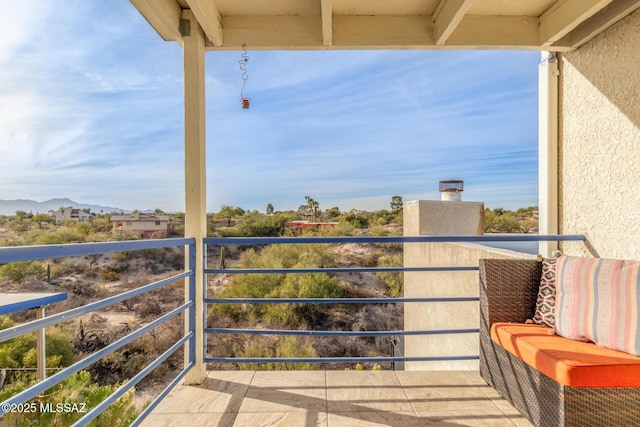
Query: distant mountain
x=9, y=207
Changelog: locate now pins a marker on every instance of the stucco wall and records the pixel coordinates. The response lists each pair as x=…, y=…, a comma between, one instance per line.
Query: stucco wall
x=426, y=217
x=444, y=315
x=599, y=143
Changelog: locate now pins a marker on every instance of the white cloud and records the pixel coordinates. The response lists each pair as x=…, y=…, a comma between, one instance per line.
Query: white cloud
x=94, y=111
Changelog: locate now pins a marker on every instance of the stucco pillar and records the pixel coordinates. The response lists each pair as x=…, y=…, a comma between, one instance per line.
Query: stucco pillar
x=424, y=217
x=548, y=149
x=195, y=173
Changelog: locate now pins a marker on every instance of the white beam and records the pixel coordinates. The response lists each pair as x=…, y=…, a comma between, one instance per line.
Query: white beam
x=559, y=20
x=447, y=16
x=195, y=174
x=593, y=26
x=163, y=16
x=548, y=150
x=207, y=14
x=327, y=15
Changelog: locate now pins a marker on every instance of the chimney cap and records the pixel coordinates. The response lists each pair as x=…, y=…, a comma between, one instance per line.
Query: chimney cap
x=453, y=185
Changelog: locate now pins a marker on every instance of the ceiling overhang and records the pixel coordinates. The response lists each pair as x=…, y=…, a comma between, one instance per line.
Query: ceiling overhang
x=551, y=25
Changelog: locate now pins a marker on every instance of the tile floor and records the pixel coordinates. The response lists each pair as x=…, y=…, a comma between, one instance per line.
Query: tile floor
x=336, y=399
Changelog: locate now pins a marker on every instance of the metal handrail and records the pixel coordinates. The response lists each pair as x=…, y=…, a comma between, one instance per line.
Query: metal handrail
x=394, y=239
x=352, y=239
x=16, y=331
x=29, y=253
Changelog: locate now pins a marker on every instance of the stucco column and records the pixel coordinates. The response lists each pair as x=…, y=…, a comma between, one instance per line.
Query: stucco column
x=548, y=149
x=438, y=218
x=195, y=173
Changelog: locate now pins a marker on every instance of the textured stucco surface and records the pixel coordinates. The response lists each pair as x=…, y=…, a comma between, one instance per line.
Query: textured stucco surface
x=599, y=143
x=435, y=217
x=444, y=315
x=425, y=217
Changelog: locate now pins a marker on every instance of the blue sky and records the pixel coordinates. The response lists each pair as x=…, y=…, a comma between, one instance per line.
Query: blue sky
x=91, y=108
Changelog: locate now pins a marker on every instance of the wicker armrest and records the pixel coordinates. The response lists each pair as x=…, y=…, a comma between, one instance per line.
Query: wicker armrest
x=508, y=290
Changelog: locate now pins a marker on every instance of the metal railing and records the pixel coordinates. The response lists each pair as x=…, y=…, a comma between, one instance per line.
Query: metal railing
x=248, y=241
x=29, y=253
x=14, y=254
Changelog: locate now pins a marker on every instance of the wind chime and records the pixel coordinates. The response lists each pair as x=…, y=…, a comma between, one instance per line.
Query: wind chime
x=243, y=62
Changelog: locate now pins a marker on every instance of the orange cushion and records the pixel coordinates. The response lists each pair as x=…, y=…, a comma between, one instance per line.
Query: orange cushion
x=568, y=362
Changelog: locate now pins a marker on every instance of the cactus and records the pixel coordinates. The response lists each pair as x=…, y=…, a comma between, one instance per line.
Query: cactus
x=223, y=261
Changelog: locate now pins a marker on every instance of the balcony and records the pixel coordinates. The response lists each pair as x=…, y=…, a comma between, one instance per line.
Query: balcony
x=336, y=398
x=317, y=397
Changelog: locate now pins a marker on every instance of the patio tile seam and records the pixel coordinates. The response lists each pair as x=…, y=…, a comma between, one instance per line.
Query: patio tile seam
x=404, y=390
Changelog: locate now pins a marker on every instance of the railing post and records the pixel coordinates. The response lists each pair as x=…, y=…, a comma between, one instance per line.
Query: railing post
x=41, y=357
x=190, y=297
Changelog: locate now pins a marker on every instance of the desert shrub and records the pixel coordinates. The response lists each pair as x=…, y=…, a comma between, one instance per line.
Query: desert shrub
x=229, y=232
x=133, y=357
x=63, y=267
x=357, y=221
x=18, y=225
x=121, y=256
x=126, y=235
x=78, y=287
x=280, y=285
x=83, y=228
x=261, y=225
x=247, y=286
x=148, y=307
x=19, y=271
x=313, y=285
x=101, y=225
x=76, y=389
x=20, y=352
x=394, y=281
x=341, y=229
x=31, y=237
x=61, y=236
x=508, y=223
x=110, y=276
x=378, y=230
x=283, y=347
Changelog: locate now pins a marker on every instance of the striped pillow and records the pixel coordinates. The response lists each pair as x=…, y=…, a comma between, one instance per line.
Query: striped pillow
x=597, y=300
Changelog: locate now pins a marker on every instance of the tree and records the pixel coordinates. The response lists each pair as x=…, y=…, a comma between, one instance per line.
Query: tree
x=40, y=218
x=357, y=221
x=22, y=215
x=333, y=212
x=396, y=204
x=313, y=207
x=269, y=209
x=229, y=212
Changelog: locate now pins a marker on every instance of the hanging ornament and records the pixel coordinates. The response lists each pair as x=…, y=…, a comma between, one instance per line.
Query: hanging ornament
x=243, y=62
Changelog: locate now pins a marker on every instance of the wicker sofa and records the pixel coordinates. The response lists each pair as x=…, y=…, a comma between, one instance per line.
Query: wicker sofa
x=508, y=293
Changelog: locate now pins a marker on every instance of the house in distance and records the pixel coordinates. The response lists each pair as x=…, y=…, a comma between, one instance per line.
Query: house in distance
x=147, y=226
x=70, y=213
